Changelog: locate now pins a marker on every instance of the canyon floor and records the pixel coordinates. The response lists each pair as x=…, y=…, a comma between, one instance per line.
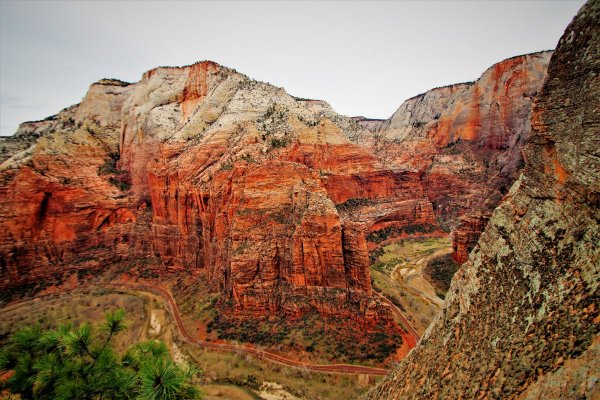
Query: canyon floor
x=226, y=374
x=233, y=372
x=397, y=271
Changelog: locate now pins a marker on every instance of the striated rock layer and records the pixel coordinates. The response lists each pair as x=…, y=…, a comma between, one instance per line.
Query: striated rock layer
x=56, y=210
x=466, y=140
x=201, y=170
x=521, y=318
x=466, y=236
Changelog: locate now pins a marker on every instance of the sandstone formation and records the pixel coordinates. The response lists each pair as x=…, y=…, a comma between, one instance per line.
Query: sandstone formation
x=201, y=170
x=521, y=318
x=466, y=140
x=57, y=210
x=466, y=235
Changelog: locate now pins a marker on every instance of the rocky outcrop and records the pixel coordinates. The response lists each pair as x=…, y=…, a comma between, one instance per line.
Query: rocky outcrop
x=521, y=318
x=466, y=140
x=491, y=112
x=239, y=178
x=57, y=210
x=372, y=124
x=466, y=235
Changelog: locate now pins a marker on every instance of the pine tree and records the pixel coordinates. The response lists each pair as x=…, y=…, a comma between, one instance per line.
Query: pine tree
x=79, y=363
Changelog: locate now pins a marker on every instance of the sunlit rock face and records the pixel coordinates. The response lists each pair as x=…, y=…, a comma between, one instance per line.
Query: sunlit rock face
x=466, y=140
x=200, y=170
x=521, y=317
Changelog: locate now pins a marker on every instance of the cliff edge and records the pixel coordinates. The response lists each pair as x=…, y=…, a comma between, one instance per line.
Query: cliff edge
x=521, y=318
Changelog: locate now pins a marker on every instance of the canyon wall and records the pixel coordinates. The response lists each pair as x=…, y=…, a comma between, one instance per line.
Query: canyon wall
x=466, y=140
x=201, y=170
x=521, y=317
x=57, y=211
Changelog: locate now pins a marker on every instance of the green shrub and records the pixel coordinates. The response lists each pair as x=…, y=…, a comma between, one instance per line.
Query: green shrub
x=276, y=142
x=118, y=178
x=77, y=362
x=394, y=231
x=352, y=204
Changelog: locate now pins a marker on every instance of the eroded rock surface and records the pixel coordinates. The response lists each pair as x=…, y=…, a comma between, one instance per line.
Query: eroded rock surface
x=201, y=170
x=198, y=170
x=466, y=141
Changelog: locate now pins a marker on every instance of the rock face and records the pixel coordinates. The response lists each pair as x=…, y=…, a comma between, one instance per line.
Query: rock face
x=466, y=235
x=521, y=318
x=201, y=170
x=56, y=210
x=466, y=140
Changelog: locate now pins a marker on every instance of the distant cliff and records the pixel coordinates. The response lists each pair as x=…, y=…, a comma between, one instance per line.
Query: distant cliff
x=467, y=141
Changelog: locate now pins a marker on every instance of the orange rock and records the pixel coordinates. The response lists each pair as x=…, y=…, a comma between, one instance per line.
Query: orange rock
x=262, y=194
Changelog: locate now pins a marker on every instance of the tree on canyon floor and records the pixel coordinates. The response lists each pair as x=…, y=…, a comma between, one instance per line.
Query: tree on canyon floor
x=79, y=363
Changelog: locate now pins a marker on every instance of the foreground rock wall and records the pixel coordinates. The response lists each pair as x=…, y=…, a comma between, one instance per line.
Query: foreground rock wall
x=521, y=318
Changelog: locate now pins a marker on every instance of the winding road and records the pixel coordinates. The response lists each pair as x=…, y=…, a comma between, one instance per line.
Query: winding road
x=258, y=353
x=406, y=324
x=265, y=355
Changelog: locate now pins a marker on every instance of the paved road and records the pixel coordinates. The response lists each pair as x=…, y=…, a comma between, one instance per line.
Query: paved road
x=265, y=355
x=410, y=329
x=329, y=368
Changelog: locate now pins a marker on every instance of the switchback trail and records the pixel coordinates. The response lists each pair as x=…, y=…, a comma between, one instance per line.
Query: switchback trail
x=265, y=355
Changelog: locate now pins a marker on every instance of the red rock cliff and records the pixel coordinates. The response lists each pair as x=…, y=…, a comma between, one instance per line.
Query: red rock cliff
x=267, y=196
x=466, y=140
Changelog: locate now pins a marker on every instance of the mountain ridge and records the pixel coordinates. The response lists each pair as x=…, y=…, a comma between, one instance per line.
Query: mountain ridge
x=520, y=320
x=202, y=172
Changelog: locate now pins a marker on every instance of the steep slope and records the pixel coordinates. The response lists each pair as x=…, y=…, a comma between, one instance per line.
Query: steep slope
x=57, y=210
x=204, y=171
x=243, y=188
x=521, y=317
x=466, y=140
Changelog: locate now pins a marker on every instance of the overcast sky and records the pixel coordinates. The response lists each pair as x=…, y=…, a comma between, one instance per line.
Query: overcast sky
x=364, y=58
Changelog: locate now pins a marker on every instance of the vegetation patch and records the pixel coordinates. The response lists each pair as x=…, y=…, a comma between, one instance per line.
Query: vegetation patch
x=249, y=372
x=352, y=204
x=394, y=231
x=440, y=272
x=117, y=177
x=279, y=142
x=275, y=127
x=332, y=339
x=387, y=262
x=78, y=362
x=227, y=166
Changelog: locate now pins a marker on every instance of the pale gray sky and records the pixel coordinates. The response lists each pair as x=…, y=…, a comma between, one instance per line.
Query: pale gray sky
x=363, y=57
